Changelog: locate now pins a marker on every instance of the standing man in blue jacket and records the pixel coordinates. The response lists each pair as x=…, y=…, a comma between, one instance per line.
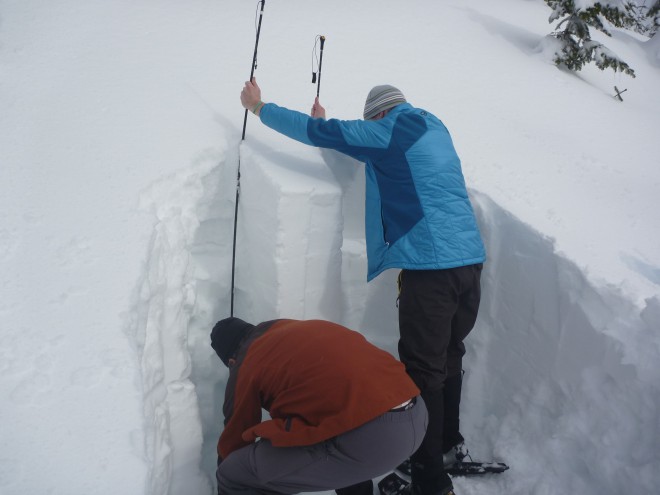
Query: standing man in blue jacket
x=419, y=219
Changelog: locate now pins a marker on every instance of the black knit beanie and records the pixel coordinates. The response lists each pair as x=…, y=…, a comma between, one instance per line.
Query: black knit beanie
x=226, y=337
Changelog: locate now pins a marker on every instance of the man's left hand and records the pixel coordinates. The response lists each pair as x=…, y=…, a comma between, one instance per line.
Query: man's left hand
x=318, y=112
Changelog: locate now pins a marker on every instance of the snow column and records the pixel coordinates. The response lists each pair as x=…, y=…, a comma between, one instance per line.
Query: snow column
x=289, y=239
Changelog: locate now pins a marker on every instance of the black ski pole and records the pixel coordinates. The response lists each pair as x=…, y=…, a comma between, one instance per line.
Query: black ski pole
x=238, y=172
x=254, y=60
x=320, y=63
x=318, y=86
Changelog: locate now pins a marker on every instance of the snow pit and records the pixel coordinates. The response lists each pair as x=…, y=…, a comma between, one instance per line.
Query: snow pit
x=553, y=362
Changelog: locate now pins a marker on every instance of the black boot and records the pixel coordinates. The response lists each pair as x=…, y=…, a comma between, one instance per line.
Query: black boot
x=427, y=467
x=452, y=402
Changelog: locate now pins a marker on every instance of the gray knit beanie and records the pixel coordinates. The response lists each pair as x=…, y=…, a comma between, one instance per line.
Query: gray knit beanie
x=382, y=98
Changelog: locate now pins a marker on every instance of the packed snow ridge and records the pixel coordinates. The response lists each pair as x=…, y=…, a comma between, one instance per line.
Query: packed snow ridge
x=554, y=363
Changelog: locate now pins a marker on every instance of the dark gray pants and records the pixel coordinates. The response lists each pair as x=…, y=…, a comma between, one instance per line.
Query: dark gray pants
x=361, y=454
x=437, y=310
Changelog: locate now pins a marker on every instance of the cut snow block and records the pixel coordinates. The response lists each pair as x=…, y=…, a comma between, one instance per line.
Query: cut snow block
x=354, y=277
x=288, y=261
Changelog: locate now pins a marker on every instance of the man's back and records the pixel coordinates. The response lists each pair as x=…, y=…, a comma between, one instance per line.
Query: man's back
x=418, y=214
x=317, y=379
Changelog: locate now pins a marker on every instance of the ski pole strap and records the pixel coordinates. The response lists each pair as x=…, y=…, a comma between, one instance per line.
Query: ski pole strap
x=257, y=107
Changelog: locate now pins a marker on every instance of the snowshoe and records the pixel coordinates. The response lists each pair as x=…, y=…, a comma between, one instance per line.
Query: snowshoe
x=393, y=484
x=462, y=468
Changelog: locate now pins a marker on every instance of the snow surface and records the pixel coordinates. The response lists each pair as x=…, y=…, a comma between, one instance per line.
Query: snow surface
x=120, y=138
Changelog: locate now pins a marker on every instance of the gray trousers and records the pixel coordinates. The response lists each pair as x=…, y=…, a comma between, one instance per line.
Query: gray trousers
x=366, y=452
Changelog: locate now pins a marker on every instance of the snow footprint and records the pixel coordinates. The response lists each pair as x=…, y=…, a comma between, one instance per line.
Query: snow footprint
x=87, y=377
x=31, y=390
x=9, y=241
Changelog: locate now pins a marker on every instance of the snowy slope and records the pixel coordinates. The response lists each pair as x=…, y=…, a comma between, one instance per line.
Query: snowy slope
x=119, y=142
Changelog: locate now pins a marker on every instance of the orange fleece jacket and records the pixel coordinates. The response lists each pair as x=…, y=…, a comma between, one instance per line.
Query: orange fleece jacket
x=317, y=380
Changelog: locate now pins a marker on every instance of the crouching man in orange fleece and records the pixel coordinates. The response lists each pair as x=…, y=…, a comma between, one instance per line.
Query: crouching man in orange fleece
x=342, y=411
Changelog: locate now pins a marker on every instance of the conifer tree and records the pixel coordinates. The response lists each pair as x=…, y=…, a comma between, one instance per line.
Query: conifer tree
x=645, y=15
x=577, y=47
x=653, y=18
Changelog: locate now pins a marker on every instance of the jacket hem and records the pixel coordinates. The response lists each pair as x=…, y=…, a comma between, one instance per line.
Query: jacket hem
x=424, y=266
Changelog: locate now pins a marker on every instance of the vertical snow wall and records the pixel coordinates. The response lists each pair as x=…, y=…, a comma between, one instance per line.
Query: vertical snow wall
x=552, y=364
x=561, y=370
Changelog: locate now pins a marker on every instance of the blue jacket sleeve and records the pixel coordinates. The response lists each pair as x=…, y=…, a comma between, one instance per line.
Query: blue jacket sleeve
x=356, y=138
